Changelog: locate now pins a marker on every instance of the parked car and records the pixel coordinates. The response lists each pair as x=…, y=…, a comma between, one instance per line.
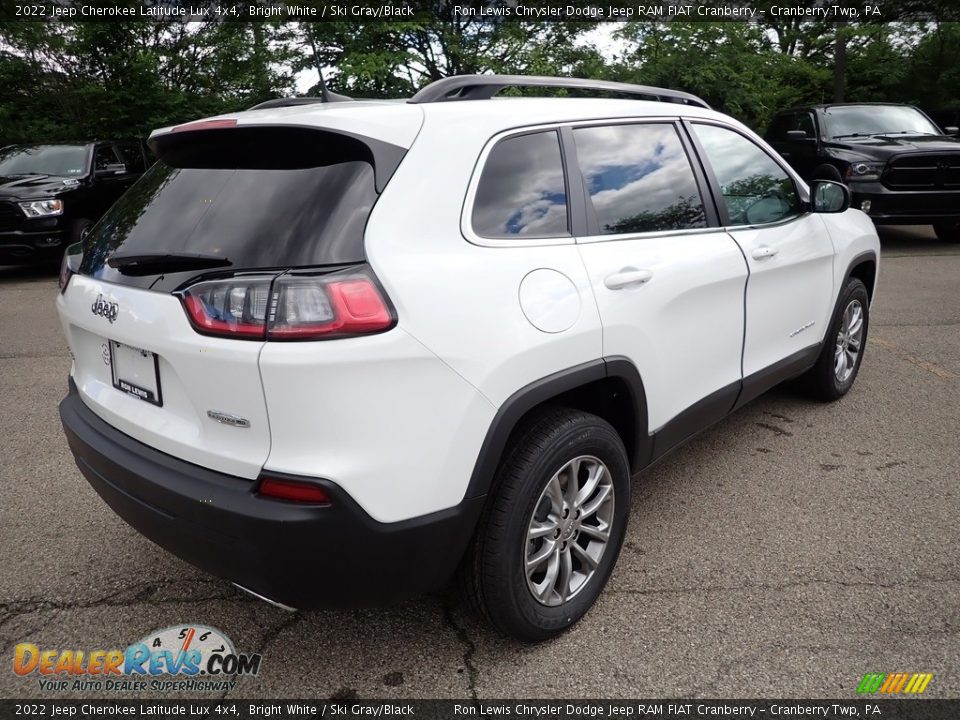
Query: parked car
x=336, y=351
x=901, y=168
x=52, y=194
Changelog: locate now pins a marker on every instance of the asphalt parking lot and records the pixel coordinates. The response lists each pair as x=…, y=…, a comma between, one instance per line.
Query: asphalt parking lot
x=784, y=553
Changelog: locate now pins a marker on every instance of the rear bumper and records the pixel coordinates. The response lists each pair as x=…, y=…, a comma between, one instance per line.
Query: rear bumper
x=298, y=555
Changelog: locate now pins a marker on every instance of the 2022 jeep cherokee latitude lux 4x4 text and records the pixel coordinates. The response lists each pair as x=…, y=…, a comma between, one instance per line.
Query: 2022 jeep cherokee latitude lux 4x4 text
x=338, y=352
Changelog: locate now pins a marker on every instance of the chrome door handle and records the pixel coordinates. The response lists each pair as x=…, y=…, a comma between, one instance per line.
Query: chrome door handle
x=763, y=252
x=626, y=278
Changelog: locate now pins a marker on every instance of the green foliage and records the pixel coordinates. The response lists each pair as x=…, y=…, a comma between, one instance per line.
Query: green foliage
x=123, y=79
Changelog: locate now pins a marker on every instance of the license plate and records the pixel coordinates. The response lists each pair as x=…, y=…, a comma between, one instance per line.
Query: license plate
x=136, y=372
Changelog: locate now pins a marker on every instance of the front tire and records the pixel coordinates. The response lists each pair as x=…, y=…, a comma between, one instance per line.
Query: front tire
x=78, y=230
x=948, y=231
x=552, y=530
x=839, y=361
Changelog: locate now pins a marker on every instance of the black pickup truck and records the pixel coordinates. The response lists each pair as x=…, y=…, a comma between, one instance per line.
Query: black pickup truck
x=50, y=195
x=900, y=167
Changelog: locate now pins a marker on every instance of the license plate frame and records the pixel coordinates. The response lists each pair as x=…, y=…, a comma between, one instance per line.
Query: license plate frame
x=143, y=365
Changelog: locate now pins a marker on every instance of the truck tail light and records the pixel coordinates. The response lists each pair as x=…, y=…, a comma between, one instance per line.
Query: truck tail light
x=290, y=306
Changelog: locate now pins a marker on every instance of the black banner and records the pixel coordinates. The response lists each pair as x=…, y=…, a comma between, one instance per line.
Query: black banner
x=881, y=709
x=846, y=11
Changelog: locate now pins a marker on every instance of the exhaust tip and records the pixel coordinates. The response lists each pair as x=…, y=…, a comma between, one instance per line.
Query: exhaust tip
x=267, y=600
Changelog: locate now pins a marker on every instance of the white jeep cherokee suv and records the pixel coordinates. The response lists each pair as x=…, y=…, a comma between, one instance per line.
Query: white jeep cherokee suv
x=337, y=351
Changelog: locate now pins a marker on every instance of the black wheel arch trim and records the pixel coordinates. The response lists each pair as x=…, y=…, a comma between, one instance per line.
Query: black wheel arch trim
x=860, y=259
x=538, y=392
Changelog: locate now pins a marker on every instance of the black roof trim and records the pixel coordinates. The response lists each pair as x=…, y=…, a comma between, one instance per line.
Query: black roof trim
x=483, y=87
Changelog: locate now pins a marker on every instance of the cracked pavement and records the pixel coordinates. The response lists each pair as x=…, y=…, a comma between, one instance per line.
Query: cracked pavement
x=785, y=552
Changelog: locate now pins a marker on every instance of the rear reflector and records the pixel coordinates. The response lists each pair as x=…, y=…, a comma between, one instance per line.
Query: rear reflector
x=302, y=492
x=205, y=125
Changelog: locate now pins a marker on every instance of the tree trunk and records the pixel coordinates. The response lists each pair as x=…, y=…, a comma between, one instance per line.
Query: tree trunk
x=839, y=63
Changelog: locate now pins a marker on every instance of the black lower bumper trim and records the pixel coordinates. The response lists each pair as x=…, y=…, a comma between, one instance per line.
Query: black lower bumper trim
x=298, y=555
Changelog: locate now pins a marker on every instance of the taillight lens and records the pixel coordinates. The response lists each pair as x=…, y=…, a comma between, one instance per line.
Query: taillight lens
x=69, y=265
x=293, y=491
x=231, y=308
x=289, y=307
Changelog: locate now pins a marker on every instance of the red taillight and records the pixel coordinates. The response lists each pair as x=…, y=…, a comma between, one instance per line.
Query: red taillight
x=294, y=491
x=289, y=307
x=69, y=265
x=316, y=308
x=236, y=307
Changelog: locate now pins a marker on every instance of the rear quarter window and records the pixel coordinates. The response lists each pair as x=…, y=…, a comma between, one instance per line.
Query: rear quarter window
x=522, y=192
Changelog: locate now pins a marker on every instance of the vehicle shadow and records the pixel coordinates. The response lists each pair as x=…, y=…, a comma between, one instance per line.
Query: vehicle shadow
x=899, y=240
x=28, y=273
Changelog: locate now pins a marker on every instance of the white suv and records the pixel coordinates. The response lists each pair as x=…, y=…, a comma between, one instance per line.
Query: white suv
x=335, y=351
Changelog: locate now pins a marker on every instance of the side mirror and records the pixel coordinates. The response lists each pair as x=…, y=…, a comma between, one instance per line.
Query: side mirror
x=951, y=130
x=798, y=136
x=829, y=196
x=111, y=170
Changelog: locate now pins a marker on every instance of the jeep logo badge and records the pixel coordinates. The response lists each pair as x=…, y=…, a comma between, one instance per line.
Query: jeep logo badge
x=105, y=308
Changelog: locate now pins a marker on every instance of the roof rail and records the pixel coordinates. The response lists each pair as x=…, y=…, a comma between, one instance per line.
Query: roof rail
x=483, y=87
x=291, y=101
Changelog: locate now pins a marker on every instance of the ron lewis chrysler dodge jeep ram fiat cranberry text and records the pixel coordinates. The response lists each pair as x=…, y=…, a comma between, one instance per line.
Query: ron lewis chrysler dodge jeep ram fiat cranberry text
x=340, y=352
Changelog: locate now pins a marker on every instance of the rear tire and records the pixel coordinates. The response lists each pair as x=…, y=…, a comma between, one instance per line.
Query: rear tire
x=839, y=361
x=948, y=231
x=553, y=526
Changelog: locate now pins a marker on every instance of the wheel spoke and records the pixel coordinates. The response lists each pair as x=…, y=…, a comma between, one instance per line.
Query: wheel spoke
x=840, y=366
x=536, y=560
x=545, y=588
x=601, y=533
x=603, y=494
x=573, y=482
x=539, y=530
x=555, y=493
x=585, y=558
x=566, y=574
x=597, y=471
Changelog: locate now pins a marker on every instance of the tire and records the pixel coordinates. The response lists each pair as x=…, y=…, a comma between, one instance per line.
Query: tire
x=547, y=451
x=78, y=230
x=831, y=378
x=827, y=172
x=948, y=231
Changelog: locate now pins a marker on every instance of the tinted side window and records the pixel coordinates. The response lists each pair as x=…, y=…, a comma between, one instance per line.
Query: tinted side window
x=805, y=123
x=131, y=156
x=104, y=156
x=779, y=127
x=639, y=178
x=756, y=189
x=522, y=193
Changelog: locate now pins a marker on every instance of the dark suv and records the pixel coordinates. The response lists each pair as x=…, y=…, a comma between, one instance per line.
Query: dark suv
x=50, y=195
x=901, y=168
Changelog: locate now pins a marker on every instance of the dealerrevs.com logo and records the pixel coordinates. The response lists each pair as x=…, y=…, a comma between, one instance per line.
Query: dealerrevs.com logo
x=178, y=658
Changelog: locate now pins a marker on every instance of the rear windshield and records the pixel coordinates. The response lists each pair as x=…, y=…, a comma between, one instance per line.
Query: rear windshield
x=282, y=203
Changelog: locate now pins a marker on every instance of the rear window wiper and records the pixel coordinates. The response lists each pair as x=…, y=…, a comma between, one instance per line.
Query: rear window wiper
x=150, y=263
